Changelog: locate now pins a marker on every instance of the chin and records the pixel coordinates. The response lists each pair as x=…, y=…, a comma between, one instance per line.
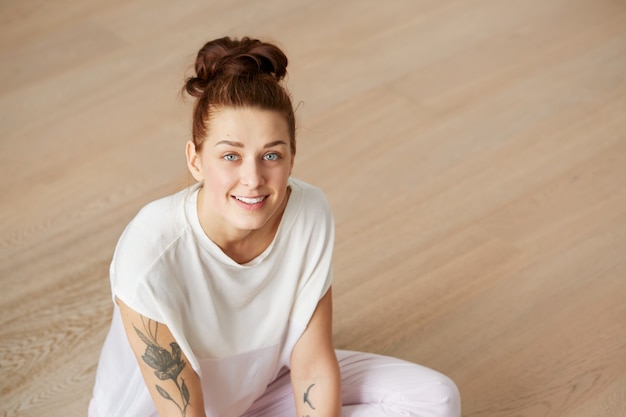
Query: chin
x=250, y=226
x=249, y=221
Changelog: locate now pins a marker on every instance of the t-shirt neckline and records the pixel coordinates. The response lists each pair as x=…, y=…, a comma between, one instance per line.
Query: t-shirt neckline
x=289, y=214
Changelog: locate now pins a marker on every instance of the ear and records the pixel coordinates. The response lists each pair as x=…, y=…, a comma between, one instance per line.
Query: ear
x=193, y=161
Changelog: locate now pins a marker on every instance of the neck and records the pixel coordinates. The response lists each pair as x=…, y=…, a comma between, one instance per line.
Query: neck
x=242, y=246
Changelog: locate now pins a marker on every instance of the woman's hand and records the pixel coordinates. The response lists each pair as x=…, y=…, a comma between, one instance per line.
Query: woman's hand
x=174, y=386
x=315, y=374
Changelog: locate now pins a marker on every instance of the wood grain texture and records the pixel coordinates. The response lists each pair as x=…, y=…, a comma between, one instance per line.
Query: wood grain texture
x=474, y=154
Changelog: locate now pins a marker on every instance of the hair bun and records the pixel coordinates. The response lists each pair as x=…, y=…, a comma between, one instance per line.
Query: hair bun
x=235, y=58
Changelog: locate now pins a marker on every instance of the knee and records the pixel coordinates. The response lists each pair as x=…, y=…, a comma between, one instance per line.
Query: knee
x=437, y=396
x=450, y=405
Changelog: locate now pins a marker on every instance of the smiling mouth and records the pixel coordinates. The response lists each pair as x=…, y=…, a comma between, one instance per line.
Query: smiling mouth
x=248, y=200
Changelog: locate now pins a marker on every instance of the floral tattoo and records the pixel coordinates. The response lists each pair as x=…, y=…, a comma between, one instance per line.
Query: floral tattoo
x=166, y=364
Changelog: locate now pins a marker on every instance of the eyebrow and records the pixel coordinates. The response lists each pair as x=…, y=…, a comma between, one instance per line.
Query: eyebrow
x=240, y=145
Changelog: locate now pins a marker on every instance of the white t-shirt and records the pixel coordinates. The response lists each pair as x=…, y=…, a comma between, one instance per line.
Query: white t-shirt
x=236, y=324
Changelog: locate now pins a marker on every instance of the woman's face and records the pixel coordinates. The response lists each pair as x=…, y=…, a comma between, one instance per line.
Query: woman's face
x=245, y=163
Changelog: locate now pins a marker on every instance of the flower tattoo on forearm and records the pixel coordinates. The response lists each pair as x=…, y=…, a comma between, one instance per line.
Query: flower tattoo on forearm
x=166, y=364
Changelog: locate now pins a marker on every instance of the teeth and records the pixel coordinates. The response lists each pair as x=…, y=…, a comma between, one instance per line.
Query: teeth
x=250, y=200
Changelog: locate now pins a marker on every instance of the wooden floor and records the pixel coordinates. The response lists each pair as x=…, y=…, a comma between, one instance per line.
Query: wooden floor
x=474, y=153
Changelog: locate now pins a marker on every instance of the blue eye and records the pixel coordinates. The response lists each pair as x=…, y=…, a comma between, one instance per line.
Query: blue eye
x=231, y=157
x=271, y=157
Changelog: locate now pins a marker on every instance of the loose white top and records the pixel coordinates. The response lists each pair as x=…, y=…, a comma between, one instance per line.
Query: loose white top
x=236, y=324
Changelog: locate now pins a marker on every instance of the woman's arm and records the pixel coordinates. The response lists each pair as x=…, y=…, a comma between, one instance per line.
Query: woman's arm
x=172, y=383
x=314, y=370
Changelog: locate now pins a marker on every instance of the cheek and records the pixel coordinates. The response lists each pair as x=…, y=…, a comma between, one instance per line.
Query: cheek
x=219, y=183
x=287, y=174
x=281, y=182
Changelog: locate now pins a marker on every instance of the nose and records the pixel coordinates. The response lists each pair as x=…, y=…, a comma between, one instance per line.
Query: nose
x=252, y=174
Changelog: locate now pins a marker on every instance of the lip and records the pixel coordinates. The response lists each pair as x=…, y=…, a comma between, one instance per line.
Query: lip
x=250, y=206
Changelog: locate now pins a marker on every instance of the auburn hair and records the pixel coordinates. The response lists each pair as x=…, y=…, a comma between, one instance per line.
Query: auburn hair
x=238, y=73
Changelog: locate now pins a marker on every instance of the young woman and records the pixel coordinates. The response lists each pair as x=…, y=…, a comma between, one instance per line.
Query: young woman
x=222, y=292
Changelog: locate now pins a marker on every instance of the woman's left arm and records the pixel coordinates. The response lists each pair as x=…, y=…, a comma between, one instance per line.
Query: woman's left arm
x=315, y=374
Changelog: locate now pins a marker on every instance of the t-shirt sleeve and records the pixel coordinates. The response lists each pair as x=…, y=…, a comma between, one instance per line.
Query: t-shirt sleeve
x=131, y=271
x=317, y=221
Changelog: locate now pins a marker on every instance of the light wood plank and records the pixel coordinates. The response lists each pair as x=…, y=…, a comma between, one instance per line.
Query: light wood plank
x=474, y=154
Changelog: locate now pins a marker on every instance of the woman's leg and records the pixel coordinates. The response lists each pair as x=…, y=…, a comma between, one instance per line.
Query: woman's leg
x=373, y=386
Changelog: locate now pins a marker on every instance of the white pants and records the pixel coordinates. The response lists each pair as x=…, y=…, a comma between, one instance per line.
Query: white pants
x=373, y=386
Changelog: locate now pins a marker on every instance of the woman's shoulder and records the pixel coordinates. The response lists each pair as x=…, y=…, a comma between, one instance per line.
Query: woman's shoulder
x=166, y=214
x=171, y=206
x=308, y=195
x=155, y=227
x=311, y=207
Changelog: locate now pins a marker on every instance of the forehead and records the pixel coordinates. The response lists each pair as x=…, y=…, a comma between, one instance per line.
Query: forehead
x=247, y=125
